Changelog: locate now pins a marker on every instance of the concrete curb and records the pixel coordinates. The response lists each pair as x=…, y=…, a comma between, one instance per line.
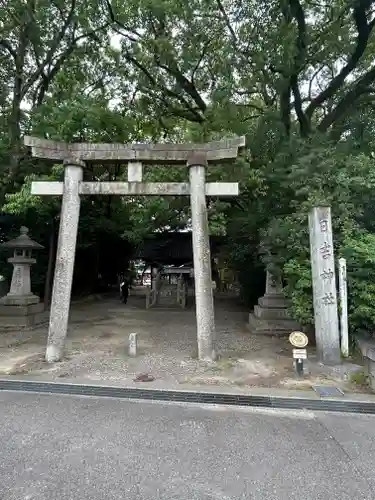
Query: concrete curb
x=364, y=404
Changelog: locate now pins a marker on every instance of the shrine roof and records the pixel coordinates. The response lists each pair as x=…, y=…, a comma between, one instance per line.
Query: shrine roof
x=172, y=248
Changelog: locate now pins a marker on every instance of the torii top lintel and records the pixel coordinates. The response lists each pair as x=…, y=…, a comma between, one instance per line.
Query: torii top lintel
x=178, y=154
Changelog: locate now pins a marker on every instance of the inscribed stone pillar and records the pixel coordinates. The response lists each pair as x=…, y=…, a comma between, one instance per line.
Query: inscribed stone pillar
x=202, y=258
x=324, y=285
x=64, y=267
x=21, y=284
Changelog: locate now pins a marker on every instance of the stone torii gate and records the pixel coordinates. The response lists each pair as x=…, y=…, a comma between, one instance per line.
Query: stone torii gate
x=75, y=156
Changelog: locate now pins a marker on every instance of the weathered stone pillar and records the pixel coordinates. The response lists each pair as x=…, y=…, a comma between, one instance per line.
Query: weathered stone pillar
x=324, y=285
x=197, y=164
x=64, y=267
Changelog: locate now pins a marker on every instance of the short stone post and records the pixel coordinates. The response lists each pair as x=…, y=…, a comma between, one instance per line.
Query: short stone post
x=133, y=344
x=197, y=164
x=324, y=285
x=64, y=267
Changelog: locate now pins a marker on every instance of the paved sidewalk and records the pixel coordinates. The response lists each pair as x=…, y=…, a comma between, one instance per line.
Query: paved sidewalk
x=85, y=448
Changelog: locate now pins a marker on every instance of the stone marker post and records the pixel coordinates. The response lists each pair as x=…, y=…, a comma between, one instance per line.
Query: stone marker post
x=343, y=290
x=324, y=285
x=204, y=301
x=65, y=256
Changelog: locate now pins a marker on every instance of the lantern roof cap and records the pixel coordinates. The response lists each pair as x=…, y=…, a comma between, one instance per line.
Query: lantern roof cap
x=23, y=241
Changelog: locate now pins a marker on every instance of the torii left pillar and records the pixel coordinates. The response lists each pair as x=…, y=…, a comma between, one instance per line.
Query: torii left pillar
x=65, y=257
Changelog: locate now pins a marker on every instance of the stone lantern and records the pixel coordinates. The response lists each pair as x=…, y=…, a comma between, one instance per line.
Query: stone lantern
x=20, y=307
x=270, y=316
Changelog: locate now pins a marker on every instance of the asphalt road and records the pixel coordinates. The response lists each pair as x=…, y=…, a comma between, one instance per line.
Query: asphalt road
x=67, y=448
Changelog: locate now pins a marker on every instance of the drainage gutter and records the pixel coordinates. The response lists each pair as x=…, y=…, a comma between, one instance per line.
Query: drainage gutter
x=207, y=398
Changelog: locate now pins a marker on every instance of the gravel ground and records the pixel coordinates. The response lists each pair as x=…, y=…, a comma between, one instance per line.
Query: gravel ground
x=98, y=343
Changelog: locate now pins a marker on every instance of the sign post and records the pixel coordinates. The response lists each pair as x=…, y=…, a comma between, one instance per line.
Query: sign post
x=299, y=341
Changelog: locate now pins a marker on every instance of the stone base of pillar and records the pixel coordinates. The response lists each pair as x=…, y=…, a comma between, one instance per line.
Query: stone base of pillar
x=274, y=328
x=270, y=317
x=25, y=317
x=273, y=302
x=19, y=300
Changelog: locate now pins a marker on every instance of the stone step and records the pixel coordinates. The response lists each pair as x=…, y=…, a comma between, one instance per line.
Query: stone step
x=271, y=313
x=26, y=322
x=278, y=328
x=273, y=302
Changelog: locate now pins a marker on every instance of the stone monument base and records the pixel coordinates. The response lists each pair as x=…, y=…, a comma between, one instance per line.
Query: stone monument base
x=270, y=317
x=19, y=300
x=274, y=327
x=25, y=317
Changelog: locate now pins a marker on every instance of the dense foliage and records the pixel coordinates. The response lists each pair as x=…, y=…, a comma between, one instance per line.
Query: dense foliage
x=295, y=76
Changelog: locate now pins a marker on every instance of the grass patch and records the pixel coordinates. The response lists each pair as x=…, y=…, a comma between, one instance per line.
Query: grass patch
x=359, y=378
x=223, y=365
